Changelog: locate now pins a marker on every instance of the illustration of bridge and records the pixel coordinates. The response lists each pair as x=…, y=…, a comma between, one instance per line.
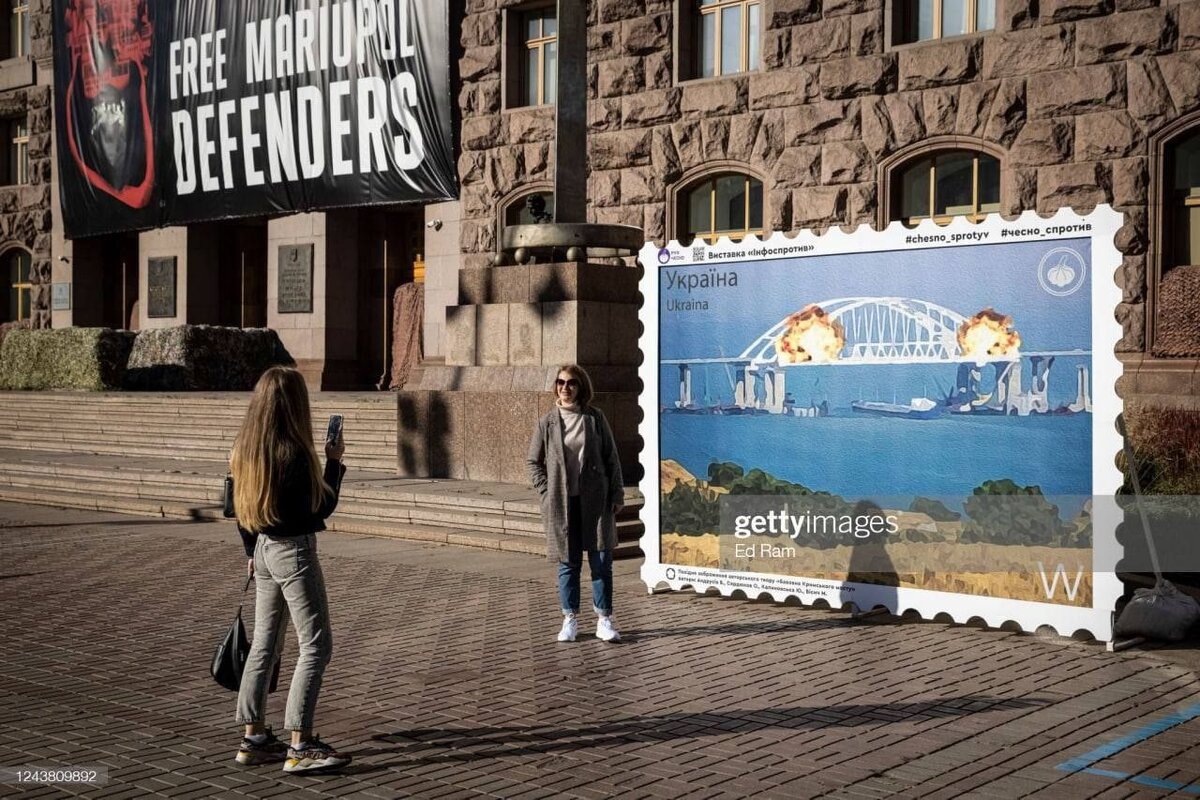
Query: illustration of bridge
x=878, y=331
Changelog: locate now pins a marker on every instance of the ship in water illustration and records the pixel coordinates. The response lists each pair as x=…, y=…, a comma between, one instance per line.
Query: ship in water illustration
x=917, y=408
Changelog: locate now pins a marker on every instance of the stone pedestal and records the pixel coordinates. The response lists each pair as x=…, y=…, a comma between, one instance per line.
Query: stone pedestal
x=472, y=418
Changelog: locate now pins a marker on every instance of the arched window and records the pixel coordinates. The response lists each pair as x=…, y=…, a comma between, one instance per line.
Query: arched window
x=526, y=209
x=1183, y=199
x=722, y=205
x=944, y=185
x=20, y=290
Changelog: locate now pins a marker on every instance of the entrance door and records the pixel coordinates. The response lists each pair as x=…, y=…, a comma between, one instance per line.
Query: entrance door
x=390, y=241
x=241, y=256
x=104, y=277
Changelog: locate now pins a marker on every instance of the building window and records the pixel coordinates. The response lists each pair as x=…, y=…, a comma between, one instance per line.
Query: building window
x=530, y=209
x=1183, y=196
x=725, y=205
x=16, y=167
x=922, y=20
x=719, y=37
x=533, y=57
x=19, y=29
x=959, y=183
x=20, y=290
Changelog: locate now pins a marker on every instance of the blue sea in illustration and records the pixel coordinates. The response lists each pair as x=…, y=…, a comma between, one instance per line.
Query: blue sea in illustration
x=862, y=457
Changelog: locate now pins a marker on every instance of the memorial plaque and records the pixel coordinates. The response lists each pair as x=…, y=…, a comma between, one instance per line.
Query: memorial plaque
x=295, y=278
x=60, y=297
x=160, y=280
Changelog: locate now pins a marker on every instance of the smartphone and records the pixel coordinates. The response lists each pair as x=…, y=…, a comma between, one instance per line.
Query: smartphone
x=334, y=431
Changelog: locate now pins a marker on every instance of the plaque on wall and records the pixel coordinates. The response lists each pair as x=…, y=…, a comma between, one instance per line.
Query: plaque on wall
x=160, y=281
x=295, y=279
x=60, y=297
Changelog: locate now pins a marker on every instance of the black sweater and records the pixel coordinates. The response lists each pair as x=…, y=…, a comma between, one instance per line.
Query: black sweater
x=296, y=517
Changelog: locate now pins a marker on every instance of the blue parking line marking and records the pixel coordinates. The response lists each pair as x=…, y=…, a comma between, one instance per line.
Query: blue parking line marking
x=1084, y=762
x=1125, y=742
x=1144, y=780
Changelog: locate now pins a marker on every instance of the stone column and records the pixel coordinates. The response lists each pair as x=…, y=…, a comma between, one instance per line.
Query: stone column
x=322, y=340
x=156, y=244
x=514, y=325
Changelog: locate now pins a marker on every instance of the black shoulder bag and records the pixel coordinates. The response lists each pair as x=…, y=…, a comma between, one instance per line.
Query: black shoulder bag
x=229, y=660
x=227, y=498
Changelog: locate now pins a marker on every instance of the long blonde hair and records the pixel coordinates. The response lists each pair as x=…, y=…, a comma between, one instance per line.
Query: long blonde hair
x=276, y=431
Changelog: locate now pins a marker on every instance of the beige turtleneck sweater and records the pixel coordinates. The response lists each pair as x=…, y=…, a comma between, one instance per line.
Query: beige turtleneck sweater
x=573, y=439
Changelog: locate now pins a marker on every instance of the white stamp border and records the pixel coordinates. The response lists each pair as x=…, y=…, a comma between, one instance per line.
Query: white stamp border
x=1029, y=226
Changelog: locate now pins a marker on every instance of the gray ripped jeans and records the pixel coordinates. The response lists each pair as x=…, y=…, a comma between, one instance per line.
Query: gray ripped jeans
x=288, y=581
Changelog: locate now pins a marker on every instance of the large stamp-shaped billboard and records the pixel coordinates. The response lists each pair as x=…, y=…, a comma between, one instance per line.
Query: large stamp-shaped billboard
x=915, y=418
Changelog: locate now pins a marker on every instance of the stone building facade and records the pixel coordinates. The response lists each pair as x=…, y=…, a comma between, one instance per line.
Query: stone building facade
x=1080, y=102
x=27, y=204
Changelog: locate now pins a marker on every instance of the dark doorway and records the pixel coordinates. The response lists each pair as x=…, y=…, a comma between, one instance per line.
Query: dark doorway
x=242, y=256
x=227, y=273
x=390, y=241
x=104, y=277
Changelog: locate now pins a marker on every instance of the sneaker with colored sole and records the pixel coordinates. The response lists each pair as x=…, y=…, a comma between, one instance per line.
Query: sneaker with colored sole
x=570, y=629
x=314, y=756
x=268, y=751
x=606, y=630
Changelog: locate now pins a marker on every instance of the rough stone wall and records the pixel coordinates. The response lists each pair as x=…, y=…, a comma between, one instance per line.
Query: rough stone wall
x=1069, y=90
x=26, y=214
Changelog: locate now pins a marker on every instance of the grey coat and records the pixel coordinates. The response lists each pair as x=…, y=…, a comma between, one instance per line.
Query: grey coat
x=600, y=483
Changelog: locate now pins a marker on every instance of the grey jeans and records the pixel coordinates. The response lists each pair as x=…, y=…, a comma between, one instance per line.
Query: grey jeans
x=287, y=578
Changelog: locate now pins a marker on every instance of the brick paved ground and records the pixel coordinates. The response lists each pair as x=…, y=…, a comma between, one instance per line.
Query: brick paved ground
x=447, y=682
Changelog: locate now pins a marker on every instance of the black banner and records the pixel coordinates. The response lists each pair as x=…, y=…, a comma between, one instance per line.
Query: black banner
x=176, y=112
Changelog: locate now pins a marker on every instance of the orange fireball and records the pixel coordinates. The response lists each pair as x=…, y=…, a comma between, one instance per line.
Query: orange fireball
x=988, y=333
x=811, y=335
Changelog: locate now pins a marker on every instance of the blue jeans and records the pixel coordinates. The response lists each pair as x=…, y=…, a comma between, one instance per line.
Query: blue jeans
x=599, y=562
x=289, y=583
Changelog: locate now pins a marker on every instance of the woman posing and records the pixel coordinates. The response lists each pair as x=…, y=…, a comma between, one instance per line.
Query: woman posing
x=573, y=464
x=281, y=499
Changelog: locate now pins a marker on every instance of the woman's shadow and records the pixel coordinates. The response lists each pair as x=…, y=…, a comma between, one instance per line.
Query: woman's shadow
x=871, y=579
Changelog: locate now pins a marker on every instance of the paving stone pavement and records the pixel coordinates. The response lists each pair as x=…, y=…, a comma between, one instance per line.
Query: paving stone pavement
x=446, y=682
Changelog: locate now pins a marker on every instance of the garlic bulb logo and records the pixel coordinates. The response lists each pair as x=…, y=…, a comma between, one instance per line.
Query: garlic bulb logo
x=1060, y=274
x=1062, y=271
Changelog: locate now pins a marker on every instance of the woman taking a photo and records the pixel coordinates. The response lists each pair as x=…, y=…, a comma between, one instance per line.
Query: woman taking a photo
x=281, y=499
x=573, y=464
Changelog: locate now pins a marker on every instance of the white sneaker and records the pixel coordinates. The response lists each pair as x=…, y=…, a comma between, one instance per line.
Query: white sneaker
x=314, y=756
x=569, y=629
x=606, y=630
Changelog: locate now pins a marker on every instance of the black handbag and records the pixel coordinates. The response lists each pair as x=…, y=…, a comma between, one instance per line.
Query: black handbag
x=229, y=660
x=227, y=498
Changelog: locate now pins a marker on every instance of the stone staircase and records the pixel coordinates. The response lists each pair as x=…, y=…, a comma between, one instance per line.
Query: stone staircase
x=165, y=455
x=182, y=426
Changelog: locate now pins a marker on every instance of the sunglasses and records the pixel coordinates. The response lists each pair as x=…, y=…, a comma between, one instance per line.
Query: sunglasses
x=572, y=382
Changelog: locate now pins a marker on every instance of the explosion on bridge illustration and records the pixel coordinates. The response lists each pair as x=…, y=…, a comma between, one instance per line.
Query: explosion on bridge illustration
x=857, y=331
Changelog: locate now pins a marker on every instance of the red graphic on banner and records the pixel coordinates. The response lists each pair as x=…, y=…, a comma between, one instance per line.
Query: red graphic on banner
x=110, y=42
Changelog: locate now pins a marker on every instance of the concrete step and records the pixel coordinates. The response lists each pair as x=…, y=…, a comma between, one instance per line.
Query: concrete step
x=341, y=523
x=358, y=506
x=415, y=512
x=381, y=443
x=155, y=417
x=131, y=450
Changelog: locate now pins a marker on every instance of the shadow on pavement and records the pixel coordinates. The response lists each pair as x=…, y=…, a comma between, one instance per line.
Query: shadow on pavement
x=110, y=523
x=470, y=744
x=631, y=636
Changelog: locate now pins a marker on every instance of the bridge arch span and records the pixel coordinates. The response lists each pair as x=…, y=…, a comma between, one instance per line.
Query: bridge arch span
x=878, y=330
